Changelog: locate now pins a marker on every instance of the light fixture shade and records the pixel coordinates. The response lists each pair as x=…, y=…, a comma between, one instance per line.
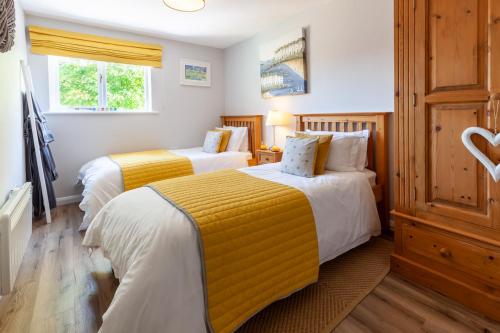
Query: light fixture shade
x=277, y=118
x=185, y=5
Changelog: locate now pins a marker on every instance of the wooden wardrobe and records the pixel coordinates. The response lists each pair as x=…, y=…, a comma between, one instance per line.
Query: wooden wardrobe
x=447, y=206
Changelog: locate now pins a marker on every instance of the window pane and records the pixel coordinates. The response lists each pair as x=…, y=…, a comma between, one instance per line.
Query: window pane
x=125, y=87
x=78, y=83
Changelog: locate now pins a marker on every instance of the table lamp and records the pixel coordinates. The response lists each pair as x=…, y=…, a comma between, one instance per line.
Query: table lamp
x=276, y=118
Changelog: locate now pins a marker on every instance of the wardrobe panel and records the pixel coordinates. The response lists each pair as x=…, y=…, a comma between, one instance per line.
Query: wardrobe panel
x=405, y=81
x=455, y=36
x=457, y=186
x=453, y=170
x=453, y=62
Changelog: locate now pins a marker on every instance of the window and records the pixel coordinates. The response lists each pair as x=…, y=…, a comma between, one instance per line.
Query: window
x=85, y=85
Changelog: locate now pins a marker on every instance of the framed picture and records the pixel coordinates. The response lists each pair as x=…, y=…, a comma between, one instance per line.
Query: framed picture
x=283, y=70
x=195, y=73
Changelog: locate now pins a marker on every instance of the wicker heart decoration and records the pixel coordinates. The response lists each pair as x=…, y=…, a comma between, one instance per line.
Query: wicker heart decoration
x=493, y=139
x=7, y=25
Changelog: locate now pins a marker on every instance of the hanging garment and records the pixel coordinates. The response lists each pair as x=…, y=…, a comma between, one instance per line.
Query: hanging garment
x=45, y=137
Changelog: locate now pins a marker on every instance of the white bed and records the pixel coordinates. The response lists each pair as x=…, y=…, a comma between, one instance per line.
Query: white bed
x=102, y=178
x=154, y=252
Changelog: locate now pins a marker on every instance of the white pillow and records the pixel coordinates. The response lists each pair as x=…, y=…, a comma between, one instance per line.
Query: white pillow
x=238, y=140
x=347, y=153
x=348, y=150
x=244, y=144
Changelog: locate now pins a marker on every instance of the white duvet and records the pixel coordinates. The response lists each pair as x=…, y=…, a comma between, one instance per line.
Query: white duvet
x=152, y=247
x=102, y=179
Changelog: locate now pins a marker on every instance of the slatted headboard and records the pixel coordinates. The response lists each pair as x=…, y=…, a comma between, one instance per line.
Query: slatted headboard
x=254, y=125
x=377, y=124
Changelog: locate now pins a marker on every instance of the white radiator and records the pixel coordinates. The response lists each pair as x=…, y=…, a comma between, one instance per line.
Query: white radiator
x=15, y=233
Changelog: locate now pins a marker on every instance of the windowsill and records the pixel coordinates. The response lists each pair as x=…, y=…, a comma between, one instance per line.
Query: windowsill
x=100, y=112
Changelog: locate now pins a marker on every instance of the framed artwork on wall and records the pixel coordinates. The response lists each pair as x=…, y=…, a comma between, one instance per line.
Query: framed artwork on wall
x=195, y=73
x=283, y=70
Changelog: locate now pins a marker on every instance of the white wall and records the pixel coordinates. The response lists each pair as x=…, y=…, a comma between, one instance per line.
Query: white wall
x=11, y=115
x=185, y=113
x=350, y=61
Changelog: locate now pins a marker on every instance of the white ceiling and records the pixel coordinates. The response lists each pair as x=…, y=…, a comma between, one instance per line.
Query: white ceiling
x=221, y=24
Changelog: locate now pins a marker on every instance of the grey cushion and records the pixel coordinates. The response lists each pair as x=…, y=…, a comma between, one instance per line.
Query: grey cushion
x=299, y=156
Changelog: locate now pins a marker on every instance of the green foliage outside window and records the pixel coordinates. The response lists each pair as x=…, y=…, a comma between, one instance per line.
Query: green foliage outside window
x=125, y=87
x=79, y=85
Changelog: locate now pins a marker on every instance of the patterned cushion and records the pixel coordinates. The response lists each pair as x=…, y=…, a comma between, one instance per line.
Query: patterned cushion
x=212, y=142
x=323, y=150
x=299, y=157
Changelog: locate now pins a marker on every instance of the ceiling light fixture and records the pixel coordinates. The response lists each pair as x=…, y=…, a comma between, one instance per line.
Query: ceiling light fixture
x=185, y=5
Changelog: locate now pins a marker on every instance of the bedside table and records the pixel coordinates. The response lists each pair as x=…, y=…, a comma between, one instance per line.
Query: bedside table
x=267, y=156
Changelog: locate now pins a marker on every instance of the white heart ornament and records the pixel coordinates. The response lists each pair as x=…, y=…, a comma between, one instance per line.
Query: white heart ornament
x=493, y=169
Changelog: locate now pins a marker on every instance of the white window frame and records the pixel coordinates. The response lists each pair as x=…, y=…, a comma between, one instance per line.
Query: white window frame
x=54, y=95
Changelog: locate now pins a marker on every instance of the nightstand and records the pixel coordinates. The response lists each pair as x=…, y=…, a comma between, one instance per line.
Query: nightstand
x=267, y=156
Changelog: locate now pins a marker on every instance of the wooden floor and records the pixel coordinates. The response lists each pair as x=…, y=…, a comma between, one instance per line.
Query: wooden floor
x=62, y=288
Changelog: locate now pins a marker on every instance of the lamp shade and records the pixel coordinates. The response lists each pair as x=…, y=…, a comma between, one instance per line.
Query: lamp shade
x=277, y=118
x=185, y=5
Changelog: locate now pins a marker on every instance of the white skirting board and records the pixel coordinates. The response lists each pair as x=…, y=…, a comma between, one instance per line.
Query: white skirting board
x=69, y=200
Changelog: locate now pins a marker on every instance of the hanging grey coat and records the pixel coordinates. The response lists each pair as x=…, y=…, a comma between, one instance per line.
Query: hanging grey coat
x=45, y=137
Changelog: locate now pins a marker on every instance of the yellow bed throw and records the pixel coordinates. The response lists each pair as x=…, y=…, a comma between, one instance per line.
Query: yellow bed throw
x=141, y=168
x=257, y=241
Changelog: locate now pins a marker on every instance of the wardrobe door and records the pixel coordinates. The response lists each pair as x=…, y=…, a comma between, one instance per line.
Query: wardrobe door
x=457, y=68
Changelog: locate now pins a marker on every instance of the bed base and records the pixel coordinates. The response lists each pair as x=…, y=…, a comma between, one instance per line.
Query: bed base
x=377, y=124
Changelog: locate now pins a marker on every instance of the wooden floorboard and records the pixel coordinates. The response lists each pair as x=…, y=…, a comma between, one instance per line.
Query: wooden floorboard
x=61, y=287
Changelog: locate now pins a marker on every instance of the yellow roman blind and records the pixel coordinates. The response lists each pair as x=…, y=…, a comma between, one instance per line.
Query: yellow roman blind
x=76, y=45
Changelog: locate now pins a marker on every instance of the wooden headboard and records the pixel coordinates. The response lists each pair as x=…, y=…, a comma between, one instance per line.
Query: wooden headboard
x=377, y=124
x=254, y=125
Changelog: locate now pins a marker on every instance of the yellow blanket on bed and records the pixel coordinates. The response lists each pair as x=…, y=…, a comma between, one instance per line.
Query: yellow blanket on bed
x=141, y=168
x=257, y=241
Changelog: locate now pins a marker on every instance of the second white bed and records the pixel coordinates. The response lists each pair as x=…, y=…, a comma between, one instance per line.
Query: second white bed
x=102, y=178
x=153, y=249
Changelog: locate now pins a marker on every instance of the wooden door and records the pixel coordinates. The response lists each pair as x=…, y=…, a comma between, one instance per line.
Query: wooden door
x=457, y=68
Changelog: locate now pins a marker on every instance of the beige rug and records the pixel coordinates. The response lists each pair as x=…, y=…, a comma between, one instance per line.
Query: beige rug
x=319, y=308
